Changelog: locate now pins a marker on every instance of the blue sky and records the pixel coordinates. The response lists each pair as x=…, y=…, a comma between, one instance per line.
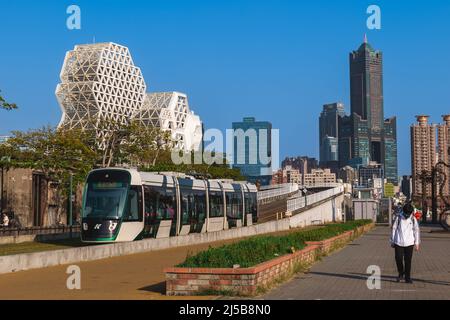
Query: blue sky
x=276, y=60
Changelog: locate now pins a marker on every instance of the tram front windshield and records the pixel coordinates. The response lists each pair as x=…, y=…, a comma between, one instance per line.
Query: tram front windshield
x=105, y=194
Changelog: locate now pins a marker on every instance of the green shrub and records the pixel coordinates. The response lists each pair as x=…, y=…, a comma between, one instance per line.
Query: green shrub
x=255, y=250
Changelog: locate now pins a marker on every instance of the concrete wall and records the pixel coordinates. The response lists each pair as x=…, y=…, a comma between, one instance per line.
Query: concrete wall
x=328, y=211
x=18, y=197
x=28, y=261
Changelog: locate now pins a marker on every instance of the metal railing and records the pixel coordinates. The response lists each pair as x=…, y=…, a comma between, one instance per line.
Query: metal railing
x=5, y=232
x=277, y=191
x=321, y=185
x=304, y=201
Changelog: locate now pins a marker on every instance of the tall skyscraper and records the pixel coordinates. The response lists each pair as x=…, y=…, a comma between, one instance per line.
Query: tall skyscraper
x=366, y=94
x=365, y=135
x=423, y=154
x=444, y=149
x=329, y=135
x=252, y=141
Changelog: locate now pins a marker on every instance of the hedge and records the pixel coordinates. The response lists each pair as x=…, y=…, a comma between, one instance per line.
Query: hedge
x=255, y=250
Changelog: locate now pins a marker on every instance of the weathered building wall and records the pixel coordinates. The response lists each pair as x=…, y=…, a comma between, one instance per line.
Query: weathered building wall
x=17, y=194
x=34, y=200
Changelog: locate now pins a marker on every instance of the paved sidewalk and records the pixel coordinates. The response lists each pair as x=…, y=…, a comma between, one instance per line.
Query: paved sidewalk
x=342, y=275
x=138, y=276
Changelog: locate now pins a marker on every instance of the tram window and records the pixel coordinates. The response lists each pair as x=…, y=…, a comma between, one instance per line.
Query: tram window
x=193, y=207
x=133, y=208
x=160, y=204
x=215, y=204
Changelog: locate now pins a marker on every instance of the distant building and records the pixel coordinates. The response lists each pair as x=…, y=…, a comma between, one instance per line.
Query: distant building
x=406, y=186
x=329, y=135
x=303, y=164
x=423, y=154
x=329, y=152
x=252, y=140
x=292, y=175
x=368, y=174
x=348, y=175
x=444, y=150
x=3, y=139
x=287, y=175
x=278, y=177
x=319, y=177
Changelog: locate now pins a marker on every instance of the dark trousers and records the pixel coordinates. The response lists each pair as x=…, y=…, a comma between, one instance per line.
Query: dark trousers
x=404, y=254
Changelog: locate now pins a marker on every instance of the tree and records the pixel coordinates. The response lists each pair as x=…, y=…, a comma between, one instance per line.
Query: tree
x=145, y=146
x=130, y=143
x=5, y=105
x=58, y=154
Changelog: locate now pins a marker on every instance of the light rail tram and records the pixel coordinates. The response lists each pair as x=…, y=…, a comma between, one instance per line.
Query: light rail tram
x=121, y=205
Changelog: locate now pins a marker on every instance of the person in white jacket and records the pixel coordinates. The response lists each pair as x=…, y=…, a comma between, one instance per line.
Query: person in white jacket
x=405, y=236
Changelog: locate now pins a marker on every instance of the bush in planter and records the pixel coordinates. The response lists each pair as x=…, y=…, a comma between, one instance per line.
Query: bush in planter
x=245, y=253
x=255, y=250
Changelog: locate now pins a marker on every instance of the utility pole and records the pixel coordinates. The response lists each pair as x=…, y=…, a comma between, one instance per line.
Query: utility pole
x=71, y=205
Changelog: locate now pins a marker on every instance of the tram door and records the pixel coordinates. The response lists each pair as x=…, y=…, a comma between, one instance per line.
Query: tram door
x=235, y=207
x=160, y=205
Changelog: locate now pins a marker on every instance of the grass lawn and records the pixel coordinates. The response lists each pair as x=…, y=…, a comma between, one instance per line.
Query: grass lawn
x=28, y=247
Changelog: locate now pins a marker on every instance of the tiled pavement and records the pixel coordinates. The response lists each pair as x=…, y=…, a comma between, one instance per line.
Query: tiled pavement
x=343, y=275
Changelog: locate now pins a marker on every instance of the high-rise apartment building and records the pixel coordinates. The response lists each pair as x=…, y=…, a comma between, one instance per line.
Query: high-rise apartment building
x=423, y=154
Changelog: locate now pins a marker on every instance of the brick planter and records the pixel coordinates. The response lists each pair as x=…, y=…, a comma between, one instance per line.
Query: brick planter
x=331, y=244
x=249, y=281
x=239, y=281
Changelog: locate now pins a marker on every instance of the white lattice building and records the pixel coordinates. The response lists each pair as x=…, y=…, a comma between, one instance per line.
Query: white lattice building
x=99, y=82
x=170, y=111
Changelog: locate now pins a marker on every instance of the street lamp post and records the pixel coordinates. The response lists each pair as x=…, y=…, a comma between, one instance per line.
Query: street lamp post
x=305, y=191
